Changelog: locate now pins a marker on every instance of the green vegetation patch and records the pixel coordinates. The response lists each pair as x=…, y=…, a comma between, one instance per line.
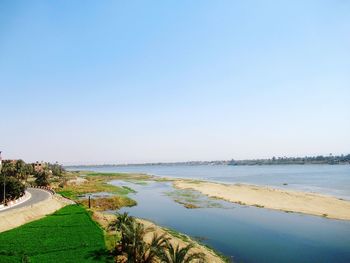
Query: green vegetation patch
x=177, y=234
x=94, y=184
x=69, y=235
x=137, y=182
x=130, y=190
x=120, y=176
x=193, y=199
x=109, y=203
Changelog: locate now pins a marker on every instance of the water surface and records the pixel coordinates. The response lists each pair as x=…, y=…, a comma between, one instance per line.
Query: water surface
x=247, y=234
x=324, y=179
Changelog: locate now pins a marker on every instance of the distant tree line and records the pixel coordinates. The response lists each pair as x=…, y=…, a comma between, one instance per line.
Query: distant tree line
x=331, y=159
x=320, y=159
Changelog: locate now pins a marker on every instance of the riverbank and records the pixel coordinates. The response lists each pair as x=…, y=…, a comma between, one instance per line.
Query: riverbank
x=174, y=237
x=243, y=233
x=252, y=195
x=265, y=197
x=109, y=197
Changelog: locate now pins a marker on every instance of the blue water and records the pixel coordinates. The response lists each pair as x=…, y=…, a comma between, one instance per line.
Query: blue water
x=247, y=234
x=250, y=234
x=324, y=179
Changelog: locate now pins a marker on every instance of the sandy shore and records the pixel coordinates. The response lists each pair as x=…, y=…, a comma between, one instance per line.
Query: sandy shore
x=289, y=201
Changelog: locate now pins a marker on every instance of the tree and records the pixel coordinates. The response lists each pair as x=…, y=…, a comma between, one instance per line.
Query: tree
x=29, y=169
x=153, y=251
x=122, y=219
x=159, y=249
x=135, y=245
x=133, y=240
x=42, y=177
x=13, y=188
x=21, y=170
x=18, y=169
x=56, y=169
x=8, y=168
x=175, y=254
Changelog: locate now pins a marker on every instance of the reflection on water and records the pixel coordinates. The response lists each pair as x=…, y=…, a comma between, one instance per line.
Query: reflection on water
x=247, y=234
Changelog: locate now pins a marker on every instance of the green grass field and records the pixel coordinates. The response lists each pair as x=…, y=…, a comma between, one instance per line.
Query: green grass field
x=69, y=235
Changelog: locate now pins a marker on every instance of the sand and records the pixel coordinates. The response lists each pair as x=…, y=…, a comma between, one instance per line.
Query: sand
x=285, y=200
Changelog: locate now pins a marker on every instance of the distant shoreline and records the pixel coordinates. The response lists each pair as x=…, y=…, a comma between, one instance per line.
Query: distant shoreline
x=218, y=163
x=306, y=160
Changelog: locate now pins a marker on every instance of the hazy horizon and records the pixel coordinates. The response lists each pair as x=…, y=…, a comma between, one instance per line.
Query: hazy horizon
x=120, y=82
x=184, y=161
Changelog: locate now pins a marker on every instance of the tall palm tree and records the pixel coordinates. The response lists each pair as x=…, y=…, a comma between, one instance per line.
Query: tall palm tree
x=153, y=250
x=122, y=220
x=180, y=255
x=134, y=234
x=159, y=249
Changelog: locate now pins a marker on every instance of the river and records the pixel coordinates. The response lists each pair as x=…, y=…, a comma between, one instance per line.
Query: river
x=249, y=234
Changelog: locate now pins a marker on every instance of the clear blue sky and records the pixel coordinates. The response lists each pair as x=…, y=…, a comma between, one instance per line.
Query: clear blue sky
x=143, y=81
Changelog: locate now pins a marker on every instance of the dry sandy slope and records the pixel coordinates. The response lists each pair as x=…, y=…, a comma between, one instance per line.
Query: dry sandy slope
x=291, y=201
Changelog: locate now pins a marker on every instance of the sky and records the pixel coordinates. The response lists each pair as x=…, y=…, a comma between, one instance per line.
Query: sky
x=95, y=82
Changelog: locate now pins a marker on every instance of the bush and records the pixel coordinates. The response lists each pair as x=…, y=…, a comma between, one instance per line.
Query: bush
x=14, y=188
x=42, y=177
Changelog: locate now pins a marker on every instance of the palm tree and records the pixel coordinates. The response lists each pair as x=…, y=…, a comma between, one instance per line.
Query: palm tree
x=159, y=249
x=122, y=219
x=153, y=250
x=180, y=255
x=134, y=234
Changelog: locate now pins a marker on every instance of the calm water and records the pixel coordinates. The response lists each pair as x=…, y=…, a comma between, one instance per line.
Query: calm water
x=247, y=234
x=250, y=234
x=325, y=179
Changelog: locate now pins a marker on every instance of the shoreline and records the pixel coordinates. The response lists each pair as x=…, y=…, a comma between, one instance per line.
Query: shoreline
x=295, y=201
x=176, y=238
x=272, y=198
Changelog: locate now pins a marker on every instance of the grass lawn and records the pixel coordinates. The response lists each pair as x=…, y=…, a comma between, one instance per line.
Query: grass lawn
x=69, y=235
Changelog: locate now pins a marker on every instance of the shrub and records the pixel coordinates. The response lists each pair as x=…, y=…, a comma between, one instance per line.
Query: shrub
x=13, y=188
